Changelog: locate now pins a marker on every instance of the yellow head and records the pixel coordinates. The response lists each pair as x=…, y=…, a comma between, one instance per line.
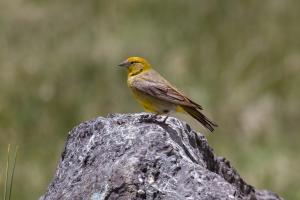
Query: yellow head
x=135, y=65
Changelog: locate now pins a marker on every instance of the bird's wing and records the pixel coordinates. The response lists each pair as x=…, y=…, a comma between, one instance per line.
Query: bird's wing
x=162, y=90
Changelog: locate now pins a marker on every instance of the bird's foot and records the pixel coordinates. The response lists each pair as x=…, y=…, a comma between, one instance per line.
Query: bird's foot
x=165, y=119
x=153, y=119
x=149, y=118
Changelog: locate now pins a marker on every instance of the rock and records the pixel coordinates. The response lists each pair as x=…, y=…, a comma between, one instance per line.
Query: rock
x=129, y=156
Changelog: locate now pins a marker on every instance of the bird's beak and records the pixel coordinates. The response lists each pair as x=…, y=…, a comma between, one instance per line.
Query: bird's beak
x=124, y=64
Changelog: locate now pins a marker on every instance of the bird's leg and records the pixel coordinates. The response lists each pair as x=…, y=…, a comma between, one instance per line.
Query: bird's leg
x=165, y=119
x=154, y=117
x=151, y=118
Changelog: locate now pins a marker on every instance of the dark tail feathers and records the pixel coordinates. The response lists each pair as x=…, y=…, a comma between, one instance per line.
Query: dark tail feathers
x=200, y=117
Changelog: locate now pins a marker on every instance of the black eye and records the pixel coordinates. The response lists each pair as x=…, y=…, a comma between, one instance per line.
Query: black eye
x=132, y=62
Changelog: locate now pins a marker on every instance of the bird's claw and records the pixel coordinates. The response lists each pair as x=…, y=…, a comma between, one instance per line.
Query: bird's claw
x=165, y=119
x=153, y=119
x=149, y=118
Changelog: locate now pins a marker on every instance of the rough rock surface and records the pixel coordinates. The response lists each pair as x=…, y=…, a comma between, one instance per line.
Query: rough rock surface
x=128, y=156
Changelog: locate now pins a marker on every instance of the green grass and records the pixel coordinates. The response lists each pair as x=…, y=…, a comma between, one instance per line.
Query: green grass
x=9, y=177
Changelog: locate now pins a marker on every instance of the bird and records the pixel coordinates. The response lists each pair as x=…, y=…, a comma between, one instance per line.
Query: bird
x=157, y=95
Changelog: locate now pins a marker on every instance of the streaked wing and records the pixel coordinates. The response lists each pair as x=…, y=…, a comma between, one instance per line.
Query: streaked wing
x=162, y=90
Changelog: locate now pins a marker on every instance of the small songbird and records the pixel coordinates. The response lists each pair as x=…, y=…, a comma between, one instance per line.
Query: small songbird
x=157, y=95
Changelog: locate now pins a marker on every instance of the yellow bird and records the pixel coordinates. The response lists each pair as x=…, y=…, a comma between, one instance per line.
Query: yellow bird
x=157, y=95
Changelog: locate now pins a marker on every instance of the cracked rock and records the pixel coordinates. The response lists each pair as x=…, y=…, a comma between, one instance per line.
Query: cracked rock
x=126, y=157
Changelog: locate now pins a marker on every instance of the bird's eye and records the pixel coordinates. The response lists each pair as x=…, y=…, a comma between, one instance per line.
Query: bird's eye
x=132, y=62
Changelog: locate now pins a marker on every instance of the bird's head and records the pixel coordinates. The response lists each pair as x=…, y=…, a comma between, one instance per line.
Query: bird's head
x=135, y=65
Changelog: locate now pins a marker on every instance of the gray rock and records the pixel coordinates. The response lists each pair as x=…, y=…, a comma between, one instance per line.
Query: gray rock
x=128, y=156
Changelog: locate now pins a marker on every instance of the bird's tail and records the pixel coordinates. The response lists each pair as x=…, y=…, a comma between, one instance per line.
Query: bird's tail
x=200, y=117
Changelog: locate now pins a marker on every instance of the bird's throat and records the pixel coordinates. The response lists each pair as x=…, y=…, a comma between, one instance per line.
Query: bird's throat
x=133, y=72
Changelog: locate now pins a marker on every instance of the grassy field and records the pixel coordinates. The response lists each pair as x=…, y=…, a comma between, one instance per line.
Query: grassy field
x=239, y=59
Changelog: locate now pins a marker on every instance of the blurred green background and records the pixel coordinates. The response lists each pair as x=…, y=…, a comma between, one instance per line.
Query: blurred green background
x=239, y=59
